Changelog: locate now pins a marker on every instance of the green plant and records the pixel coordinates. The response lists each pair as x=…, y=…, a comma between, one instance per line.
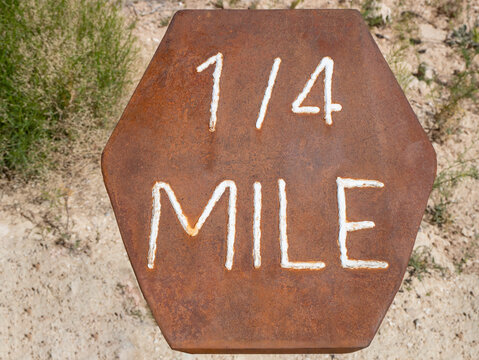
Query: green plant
x=463, y=84
x=165, y=21
x=450, y=8
x=396, y=61
x=420, y=263
x=63, y=67
x=420, y=74
x=294, y=4
x=467, y=40
x=218, y=4
x=459, y=265
x=451, y=176
x=438, y=213
x=406, y=27
x=468, y=254
x=444, y=184
x=372, y=16
x=253, y=5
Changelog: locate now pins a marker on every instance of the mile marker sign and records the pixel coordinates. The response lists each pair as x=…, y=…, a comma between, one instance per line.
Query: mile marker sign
x=268, y=177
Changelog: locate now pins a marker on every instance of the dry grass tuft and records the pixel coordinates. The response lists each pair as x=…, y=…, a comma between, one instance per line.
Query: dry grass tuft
x=64, y=64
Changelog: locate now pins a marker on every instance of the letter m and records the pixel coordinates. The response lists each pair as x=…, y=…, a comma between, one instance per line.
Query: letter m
x=193, y=231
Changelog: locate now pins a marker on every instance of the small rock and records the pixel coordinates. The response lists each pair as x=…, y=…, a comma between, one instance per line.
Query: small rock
x=384, y=11
x=475, y=61
x=423, y=88
x=4, y=230
x=428, y=32
x=430, y=73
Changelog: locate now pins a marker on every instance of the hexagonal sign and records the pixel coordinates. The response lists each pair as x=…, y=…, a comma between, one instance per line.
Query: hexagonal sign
x=268, y=177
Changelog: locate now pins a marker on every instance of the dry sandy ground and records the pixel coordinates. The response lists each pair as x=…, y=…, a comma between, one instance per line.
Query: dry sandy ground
x=68, y=291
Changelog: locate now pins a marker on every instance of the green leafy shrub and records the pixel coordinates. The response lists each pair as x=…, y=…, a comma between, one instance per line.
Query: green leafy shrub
x=64, y=65
x=464, y=37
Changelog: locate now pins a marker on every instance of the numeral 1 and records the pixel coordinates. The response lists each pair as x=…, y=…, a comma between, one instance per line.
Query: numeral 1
x=218, y=59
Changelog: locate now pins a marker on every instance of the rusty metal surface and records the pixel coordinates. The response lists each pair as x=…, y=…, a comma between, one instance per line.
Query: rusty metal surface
x=163, y=136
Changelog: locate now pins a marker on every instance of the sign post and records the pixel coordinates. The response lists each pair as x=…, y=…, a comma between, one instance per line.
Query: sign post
x=268, y=177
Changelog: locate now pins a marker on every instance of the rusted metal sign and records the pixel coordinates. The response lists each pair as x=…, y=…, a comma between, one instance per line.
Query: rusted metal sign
x=268, y=177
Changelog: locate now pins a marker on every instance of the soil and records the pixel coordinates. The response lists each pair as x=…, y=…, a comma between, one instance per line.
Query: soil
x=68, y=290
